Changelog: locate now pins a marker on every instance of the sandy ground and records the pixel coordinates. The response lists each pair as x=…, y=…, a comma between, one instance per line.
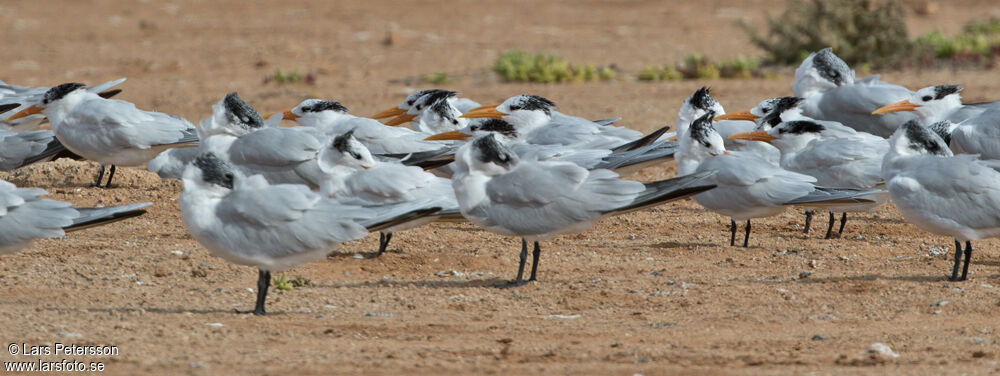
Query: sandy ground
x=654, y=292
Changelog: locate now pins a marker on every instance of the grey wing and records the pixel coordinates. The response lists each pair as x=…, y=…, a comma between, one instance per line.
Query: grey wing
x=275, y=147
x=842, y=162
x=853, y=105
x=958, y=189
x=979, y=135
x=541, y=198
x=284, y=220
x=170, y=164
x=18, y=149
x=92, y=217
x=24, y=216
x=105, y=86
x=131, y=127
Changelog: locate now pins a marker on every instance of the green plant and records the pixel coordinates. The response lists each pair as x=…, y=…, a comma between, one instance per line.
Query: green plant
x=281, y=283
x=286, y=77
x=980, y=38
x=858, y=30
x=437, y=78
x=526, y=67
x=649, y=73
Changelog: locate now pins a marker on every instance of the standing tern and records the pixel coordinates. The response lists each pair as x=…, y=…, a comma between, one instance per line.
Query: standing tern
x=32, y=95
x=536, y=118
x=353, y=176
x=701, y=103
x=977, y=135
x=942, y=193
x=831, y=92
x=837, y=156
x=332, y=118
x=536, y=200
x=24, y=216
x=747, y=185
x=109, y=131
x=271, y=227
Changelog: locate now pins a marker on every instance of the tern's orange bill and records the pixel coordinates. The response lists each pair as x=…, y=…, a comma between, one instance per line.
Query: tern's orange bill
x=903, y=105
x=741, y=115
x=25, y=112
x=452, y=135
x=484, y=112
x=753, y=136
x=400, y=120
x=395, y=111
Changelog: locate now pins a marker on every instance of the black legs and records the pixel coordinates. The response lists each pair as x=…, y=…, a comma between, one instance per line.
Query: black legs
x=809, y=219
x=383, y=242
x=538, y=251
x=732, y=236
x=520, y=267
x=263, y=282
x=732, y=230
x=746, y=238
x=829, y=228
x=958, y=260
x=100, y=176
x=843, y=221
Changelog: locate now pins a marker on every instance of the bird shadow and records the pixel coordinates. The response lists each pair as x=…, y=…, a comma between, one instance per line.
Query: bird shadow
x=874, y=277
x=443, y=283
x=673, y=244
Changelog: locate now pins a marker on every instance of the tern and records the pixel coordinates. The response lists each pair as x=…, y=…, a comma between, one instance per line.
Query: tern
x=410, y=107
x=109, y=131
x=353, y=176
x=701, y=103
x=536, y=200
x=31, y=95
x=942, y=193
x=24, y=216
x=837, y=156
x=831, y=92
x=747, y=185
x=248, y=221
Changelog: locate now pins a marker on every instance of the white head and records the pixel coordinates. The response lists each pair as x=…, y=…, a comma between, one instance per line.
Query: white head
x=211, y=175
x=772, y=112
x=230, y=116
x=347, y=153
x=64, y=97
x=441, y=116
x=701, y=141
x=487, y=155
x=789, y=137
x=912, y=139
x=821, y=71
x=525, y=112
x=315, y=112
x=930, y=103
x=696, y=106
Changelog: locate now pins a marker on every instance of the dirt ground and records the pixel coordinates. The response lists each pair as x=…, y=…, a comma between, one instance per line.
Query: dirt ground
x=654, y=292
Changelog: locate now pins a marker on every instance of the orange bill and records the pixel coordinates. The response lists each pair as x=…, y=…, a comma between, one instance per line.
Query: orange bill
x=451, y=135
x=395, y=111
x=903, y=105
x=741, y=115
x=25, y=112
x=484, y=112
x=400, y=120
x=753, y=136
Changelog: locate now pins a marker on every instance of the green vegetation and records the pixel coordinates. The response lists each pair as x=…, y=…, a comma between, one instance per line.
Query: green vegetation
x=696, y=66
x=979, y=39
x=284, y=284
x=526, y=67
x=286, y=77
x=437, y=78
x=858, y=30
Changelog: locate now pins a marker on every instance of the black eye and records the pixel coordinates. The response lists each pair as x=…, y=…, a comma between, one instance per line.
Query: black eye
x=515, y=108
x=228, y=176
x=926, y=98
x=356, y=155
x=453, y=121
x=474, y=128
x=708, y=145
x=765, y=110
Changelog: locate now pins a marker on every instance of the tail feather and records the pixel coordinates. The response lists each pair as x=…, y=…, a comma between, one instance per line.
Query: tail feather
x=835, y=196
x=110, y=93
x=661, y=150
x=607, y=121
x=383, y=223
x=92, y=217
x=645, y=140
x=51, y=151
x=663, y=191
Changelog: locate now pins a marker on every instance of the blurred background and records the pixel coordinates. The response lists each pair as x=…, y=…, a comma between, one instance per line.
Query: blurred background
x=636, y=59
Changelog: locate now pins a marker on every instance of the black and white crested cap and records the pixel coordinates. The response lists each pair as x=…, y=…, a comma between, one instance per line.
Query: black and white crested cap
x=498, y=126
x=412, y=98
x=492, y=151
x=531, y=102
x=215, y=170
x=343, y=143
x=800, y=127
x=322, y=105
x=701, y=128
x=941, y=91
x=241, y=113
x=831, y=67
x=780, y=105
x=923, y=138
x=702, y=99
x=942, y=129
x=435, y=96
x=60, y=91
